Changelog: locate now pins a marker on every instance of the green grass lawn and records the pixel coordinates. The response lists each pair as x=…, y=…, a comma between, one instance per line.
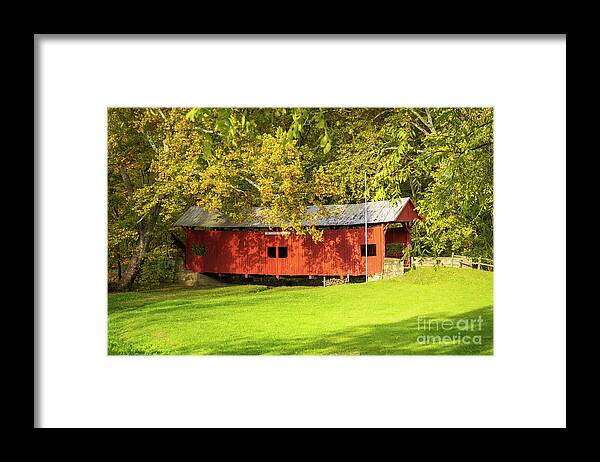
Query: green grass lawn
x=392, y=317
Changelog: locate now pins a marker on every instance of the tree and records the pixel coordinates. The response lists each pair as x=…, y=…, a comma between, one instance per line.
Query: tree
x=162, y=160
x=232, y=159
x=441, y=157
x=269, y=158
x=154, y=165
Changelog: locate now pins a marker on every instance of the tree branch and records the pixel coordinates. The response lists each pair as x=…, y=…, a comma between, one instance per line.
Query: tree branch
x=250, y=181
x=426, y=132
x=430, y=120
x=380, y=114
x=126, y=181
x=422, y=119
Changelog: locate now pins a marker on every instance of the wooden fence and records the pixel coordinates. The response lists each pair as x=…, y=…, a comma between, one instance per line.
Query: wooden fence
x=455, y=261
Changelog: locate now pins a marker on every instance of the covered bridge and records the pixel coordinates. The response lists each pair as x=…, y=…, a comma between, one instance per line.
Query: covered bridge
x=215, y=244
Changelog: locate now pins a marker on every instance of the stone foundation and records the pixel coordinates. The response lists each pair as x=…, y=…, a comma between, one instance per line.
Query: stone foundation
x=191, y=279
x=392, y=267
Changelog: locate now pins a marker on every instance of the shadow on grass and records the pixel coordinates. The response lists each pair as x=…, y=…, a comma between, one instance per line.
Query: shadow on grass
x=131, y=301
x=408, y=337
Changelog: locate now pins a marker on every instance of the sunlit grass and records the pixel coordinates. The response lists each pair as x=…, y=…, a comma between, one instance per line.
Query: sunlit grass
x=378, y=318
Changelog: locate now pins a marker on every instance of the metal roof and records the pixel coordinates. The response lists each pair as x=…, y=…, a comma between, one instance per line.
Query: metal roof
x=334, y=215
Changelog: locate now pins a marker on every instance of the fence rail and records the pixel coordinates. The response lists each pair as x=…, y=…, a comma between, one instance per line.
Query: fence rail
x=456, y=261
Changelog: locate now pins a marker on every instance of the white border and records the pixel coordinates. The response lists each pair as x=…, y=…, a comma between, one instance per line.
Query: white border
x=523, y=384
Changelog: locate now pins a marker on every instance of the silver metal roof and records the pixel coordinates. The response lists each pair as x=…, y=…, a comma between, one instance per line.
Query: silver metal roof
x=334, y=215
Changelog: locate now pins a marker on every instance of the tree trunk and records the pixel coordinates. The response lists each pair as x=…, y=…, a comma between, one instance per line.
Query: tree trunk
x=180, y=245
x=178, y=242
x=145, y=235
x=412, y=189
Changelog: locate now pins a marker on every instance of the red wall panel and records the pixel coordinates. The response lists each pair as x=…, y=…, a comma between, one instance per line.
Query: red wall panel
x=397, y=235
x=408, y=213
x=245, y=252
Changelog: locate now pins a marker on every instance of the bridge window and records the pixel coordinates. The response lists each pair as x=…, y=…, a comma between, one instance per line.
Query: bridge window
x=198, y=250
x=394, y=248
x=282, y=252
x=371, y=250
x=272, y=252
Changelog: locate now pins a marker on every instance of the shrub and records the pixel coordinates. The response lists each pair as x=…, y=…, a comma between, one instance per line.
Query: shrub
x=157, y=267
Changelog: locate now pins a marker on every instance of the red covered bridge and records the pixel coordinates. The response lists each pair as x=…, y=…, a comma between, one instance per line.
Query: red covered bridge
x=217, y=245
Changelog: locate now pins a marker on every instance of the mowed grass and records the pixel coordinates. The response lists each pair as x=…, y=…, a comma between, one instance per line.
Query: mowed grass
x=391, y=317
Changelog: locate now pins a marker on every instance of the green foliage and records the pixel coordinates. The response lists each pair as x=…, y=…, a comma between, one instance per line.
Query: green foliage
x=231, y=159
x=158, y=266
x=378, y=318
x=198, y=250
x=442, y=158
x=155, y=158
x=393, y=248
x=458, y=201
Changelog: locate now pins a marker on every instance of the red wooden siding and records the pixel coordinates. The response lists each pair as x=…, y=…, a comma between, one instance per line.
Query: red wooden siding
x=245, y=252
x=395, y=236
x=408, y=213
